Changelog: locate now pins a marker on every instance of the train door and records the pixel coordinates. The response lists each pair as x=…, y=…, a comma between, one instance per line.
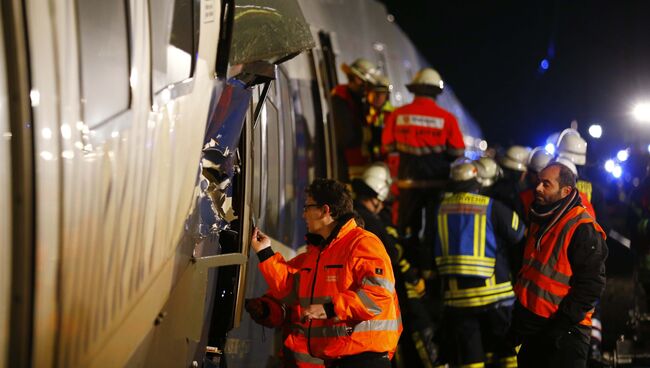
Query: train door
x=17, y=226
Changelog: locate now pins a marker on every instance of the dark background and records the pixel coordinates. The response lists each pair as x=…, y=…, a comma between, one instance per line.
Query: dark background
x=490, y=53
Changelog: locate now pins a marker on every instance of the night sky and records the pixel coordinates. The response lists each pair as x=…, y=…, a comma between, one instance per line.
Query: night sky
x=491, y=52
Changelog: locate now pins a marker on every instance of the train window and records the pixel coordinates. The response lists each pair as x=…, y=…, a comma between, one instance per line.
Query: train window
x=288, y=212
x=104, y=47
x=272, y=169
x=174, y=40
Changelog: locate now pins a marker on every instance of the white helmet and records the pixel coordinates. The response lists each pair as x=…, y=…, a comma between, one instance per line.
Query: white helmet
x=381, y=83
x=362, y=68
x=516, y=158
x=488, y=171
x=378, y=178
x=427, y=77
x=462, y=170
x=566, y=162
x=571, y=145
x=538, y=159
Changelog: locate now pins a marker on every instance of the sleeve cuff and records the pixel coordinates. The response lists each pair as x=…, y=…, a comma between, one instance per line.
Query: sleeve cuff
x=265, y=254
x=329, y=309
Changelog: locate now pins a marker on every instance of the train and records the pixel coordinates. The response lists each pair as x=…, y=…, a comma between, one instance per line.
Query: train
x=141, y=143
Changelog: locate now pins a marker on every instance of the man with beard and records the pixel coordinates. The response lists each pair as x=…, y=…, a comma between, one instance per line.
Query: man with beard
x=562, y=277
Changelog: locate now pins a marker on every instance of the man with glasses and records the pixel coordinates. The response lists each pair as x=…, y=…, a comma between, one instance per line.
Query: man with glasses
x=342, y=287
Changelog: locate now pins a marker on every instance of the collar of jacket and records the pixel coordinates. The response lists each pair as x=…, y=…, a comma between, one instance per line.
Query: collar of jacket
x=421, y=100
x=554, y=214
x=344, y=224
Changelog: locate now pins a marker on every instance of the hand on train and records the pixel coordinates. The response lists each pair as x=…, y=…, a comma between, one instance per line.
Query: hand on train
x=259, y=241
x=314, y=311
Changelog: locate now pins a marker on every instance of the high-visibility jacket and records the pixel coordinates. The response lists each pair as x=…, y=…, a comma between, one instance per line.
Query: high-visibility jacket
x=527, y=198
x=421, y=128
x=353, y=273
x=585, y=188
x=544, y=279
x=467, y=250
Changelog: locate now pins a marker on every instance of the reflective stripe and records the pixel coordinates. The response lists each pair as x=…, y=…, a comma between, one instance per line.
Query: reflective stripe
x=483, y=236
x=461, y=258
x=478, y=291
x=473, y=365
x=550, y=272
x=466, y=270
x=419, y=151
x=370, y=305
x=390, y=147
x=307, y=301
x=541, y=293
x=302, y=357
x=379, y=281
x=468, y=199
x=477, y=235
x=596, y=334
x=595, y=323
x=378, y=325
x=508, y=362
x=479, y=301
x=365, y=326
x=442, y=231
x=515, y=221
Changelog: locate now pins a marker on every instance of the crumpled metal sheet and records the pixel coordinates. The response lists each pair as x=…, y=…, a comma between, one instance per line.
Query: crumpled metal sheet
x=269, y=30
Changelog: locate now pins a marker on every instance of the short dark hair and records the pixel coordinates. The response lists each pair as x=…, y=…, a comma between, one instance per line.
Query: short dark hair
x=332, y=193
x=566, y=178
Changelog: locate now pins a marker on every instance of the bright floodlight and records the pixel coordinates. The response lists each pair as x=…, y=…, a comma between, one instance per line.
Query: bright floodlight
x=623, y=155
x=550, y=148
x=649, y=148
x=642, y=112
x=609, y=165
x=595, y=131
x=617, y=172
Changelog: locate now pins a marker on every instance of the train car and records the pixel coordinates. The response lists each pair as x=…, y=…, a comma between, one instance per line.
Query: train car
x=141, y=142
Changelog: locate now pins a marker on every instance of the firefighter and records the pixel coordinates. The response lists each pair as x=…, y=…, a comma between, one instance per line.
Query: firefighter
x=488, y=173
x=416, y=346
x=427, y=138
x=507, y=189
x=563, y=275
x=378, y=108
x=471, y=255
x=348, y=115
x=572, y=146
x=342, y=288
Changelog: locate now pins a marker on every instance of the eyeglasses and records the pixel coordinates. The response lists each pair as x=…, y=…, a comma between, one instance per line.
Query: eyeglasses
x=305, y=207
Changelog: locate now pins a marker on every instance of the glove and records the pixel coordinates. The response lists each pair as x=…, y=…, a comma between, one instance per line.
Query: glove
x=415, y=290
x=258, y=308
x=266, y=311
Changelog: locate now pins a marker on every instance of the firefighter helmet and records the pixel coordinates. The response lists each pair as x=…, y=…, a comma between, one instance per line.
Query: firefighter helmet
x=427, y=77
x=462, y=170
x=378, y=178
x=488, y=171
x=572, y=146
x=516, y=158
x=538, y=159
x=362, y=68
x=381, y=83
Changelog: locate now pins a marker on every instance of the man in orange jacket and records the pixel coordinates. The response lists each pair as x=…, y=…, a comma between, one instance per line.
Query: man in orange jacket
x=428, y=139
x=562, y=277
x=342, y=287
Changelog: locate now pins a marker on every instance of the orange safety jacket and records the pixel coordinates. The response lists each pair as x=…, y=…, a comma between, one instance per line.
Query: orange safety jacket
x=355, y=155
x=544, y=279
x=354, y=273
x=421, y=128
x=527, y=198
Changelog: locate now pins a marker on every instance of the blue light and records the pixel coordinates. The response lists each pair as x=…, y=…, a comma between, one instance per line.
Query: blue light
x=617, y=172
x=544, y=64
x=610, y=165
x=623, y=155
x=550, y=148
x=649, y=148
